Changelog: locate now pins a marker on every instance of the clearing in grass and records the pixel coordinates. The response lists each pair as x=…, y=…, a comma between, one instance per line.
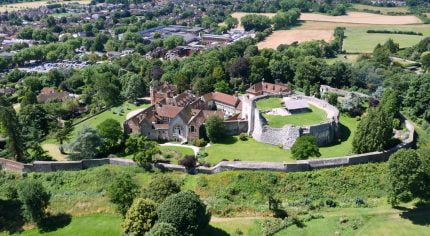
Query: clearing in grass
x=315, y=116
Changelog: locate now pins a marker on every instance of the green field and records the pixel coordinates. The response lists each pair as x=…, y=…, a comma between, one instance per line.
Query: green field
x=383, y=10
x=268, y=104
x=108, y=114
x=359, y=41
x=316, y=116
x=252, y=150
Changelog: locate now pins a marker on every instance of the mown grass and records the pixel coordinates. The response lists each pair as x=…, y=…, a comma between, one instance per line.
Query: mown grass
x=108, y=114
x=268, y=104
x=233, y=148
x=359, y=41
x=383, y=10
x=315, y=116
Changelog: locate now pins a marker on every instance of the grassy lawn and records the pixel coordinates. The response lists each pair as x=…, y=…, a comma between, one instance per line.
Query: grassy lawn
x=307, y=118
x=252, y=150
x=174, y=154
x=96, y=120
x=359, y=41
x=268, y=103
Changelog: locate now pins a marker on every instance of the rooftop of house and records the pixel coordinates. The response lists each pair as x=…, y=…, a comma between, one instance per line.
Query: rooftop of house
x=227, y=99
x=267, y=87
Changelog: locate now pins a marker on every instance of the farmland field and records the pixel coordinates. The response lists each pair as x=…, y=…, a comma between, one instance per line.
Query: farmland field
x=383, y=10
x=295, y=35
x=36, y=4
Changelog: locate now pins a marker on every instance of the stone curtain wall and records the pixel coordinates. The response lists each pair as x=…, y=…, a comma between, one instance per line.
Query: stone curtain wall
x=235, y=127
x=325, y=132
x=304, y=165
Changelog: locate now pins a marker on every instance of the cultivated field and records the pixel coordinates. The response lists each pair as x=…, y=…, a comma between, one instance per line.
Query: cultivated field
x=296, y=35
x=29, y=5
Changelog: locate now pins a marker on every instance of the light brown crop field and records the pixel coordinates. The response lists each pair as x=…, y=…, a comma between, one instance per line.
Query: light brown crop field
x=295, y=35
x=351, y=17
x=37, y=4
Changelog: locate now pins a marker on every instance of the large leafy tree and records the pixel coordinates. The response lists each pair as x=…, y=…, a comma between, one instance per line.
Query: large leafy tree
x=374, y=132
x=185, y=212
x=12, y=130
x=34, y=199
x=140, y=218
x=110, y=131
x=305, y=147
x=122, y=192
x=409, y=175
x=160, y=187
x=86, y=145
x=255, y=22
x=214, y=128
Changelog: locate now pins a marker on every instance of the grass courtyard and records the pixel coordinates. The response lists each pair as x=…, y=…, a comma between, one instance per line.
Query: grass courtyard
x=233, y=148
x=268, y=104
x=315, y=116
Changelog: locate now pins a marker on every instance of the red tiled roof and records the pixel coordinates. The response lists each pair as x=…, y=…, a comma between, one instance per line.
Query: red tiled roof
x=222, y=98
x=168, y=111
x=267, y=87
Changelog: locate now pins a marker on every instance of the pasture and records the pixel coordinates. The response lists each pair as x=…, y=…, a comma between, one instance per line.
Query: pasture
x=383, y=10
x=36, y=4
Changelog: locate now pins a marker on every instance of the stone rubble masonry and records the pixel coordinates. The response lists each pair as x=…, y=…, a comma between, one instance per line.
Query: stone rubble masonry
x=303, y=165
x=325, y=132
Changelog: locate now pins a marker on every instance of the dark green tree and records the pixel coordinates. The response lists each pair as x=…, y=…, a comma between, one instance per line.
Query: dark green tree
x=122, y=192
x=305, y=147
x=12, y=130
x=214, y=128
x=34, y=199
x=185, y=212
x=163, y=229
x=159, y=188
x=110, y=131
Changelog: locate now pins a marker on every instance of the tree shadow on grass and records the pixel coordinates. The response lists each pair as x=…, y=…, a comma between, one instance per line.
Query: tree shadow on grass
x=419, y=215
x=345, y=132
x=228, y=140
x=55, y=222
x=212, y=231
x=11, y=219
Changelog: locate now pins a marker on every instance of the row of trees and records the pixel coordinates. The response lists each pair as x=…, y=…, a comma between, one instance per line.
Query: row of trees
x=158, y=209
x=281, y=20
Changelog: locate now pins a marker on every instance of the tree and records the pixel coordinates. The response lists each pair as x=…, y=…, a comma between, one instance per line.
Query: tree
x=140, y=218
x=308, y=71
x=214, y=128
x=37, y=153
x=12, y=130
x=283, y=20
x=133, y=87
x=409, y=172
x=63, y=134
x=425, y=60
x=173, y=41
x=163, y=229
x=34, y=118
x=34, y=199
x=159, y=188
x=305, y=147
x=29, y=98
x=87, y=144
x=374, y=132
x=352, y=105
x=255, y=22
x=110, y=131
x=122, y=192
x=381, y=55
x=222, y=86
x=185, y=212
x=391, y=102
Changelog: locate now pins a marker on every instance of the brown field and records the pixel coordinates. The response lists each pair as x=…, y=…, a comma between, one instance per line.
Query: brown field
x=351, y=17
x=296, y=35
x=29, y=5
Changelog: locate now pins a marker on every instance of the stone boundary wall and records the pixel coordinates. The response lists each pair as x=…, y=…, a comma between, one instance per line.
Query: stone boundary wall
x=304, y=165
x=235, y=127
x=325, y=132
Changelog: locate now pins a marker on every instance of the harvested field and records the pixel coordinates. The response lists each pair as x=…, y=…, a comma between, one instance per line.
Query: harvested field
x=296, y=35
x=351, y=17
x=37, y=4
x=362, y=18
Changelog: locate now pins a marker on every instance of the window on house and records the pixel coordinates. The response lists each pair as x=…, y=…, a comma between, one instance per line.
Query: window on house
x=192, y=129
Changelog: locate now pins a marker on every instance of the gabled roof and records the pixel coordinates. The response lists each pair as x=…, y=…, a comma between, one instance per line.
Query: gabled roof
x=222, y=98
x=167, y=110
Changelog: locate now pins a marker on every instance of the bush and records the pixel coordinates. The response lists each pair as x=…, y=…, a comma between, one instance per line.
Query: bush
x=199, y=142
x=185, y=212
x=202, y=154
x=188, y=161
x=34, y=199
x=122, y=193
x=160, y=187
x=243, y=136
x=163, y=229
x=140, y=218
x=305, y=147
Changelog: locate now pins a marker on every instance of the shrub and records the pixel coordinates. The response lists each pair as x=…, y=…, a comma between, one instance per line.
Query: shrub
x=305, y=147
x=202, y=154
x=188, y=161
x=243, y=136
x=159, y=188
x=34, y=199
x=199, y=142
x=140, y=218
x=163, y=229
x=185, y=212
x=122, y=192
